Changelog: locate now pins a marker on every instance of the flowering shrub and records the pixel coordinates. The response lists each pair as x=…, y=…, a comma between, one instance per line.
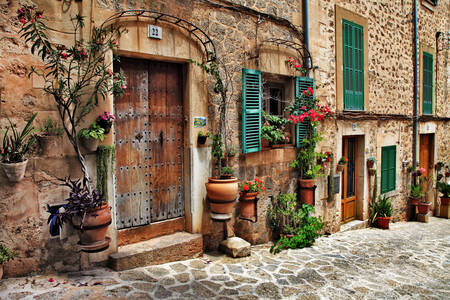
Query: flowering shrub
x=343, y=160
x=305, y=107
x=295, y=65
x=418, y=172
x=324, y=157
x=255, y=186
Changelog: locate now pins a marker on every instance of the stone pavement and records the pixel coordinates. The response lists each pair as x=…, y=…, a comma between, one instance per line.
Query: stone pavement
x=409, y=261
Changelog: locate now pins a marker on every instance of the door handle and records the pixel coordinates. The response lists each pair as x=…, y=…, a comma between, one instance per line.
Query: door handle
x=161, y=138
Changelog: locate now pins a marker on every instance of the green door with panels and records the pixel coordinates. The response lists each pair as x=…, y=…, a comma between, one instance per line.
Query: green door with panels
x=353, y=65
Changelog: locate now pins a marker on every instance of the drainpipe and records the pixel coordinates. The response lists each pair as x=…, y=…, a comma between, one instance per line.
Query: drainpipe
x=306, y=30
x=415, y=90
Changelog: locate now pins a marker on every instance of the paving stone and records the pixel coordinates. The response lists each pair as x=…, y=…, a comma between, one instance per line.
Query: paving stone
x=289, y=291
x=140, y=296
x=162, y=293
x=235, y=269
x=183, y=277
x=220, y=278
x=103, y=281
x=18, y=295
x=232, y=283
x=136, y=275
x=144, y=286
x=243, y=279
x=199, y=274
x=198, y=264
x=180, y=288
x=217, y=269
x=117, y=292
x=167, y=281
x=267, y=290
x=178, y=267
x=80, y=294
x=158, y=271
x=211, y=285
x=229, y=292
x=51, y=295
x=201, y=290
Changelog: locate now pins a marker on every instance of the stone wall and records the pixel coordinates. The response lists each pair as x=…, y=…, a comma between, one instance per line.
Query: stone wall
x=237, y=31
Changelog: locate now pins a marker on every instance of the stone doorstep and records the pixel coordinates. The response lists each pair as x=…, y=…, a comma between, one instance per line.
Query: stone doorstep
x=168, y=248
x=354, y=225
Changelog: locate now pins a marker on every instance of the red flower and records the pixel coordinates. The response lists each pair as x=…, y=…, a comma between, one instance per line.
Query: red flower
x=245, y=188
x=310, y=90
x=263, y=188
x=256, y=179
x=50, y=279
x=258, y=185
x=23, y=21
x=2, y=151
x=39, y=15
x=63, y=55
x=84, y=54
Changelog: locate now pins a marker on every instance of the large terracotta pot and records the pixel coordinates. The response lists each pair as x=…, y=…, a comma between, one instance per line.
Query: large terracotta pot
x=222, y=194
x=445, y=201
x=414, y=201
x=383, y=222
x=307, y=191
x=423, y=208
x=89, y=144
x=15, y=171
x=93, y=234
x=247, y=203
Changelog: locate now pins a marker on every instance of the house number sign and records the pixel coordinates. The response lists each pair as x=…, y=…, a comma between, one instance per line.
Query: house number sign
x=154, y=32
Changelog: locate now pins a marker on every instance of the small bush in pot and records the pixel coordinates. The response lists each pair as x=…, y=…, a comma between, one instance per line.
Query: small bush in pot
x=381, y=211
x=91, y=135
x=227, y=172
x=5, y=255
x=202, y=137
x=15, y=149
x=49, y=131
x=87, y=211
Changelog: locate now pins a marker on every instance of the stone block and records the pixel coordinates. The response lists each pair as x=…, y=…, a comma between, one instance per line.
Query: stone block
x=445, y=211
x=235, y=247
x=424, y=218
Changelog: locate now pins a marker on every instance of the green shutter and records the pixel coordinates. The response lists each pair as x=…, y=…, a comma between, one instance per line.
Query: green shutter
x=302, y=130
x=251, y=110
x=427, y=82
x=353, y=65
x=388, y=167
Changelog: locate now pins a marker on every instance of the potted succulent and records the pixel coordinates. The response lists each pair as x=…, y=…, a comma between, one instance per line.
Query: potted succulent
x=341, y=164
x=89, y=214
x=416, y=193
x=381, y=212
x=227, y=173
x=221, y=190
x=50, y=131
x=202, y=137
x=90, y=136
x=105, y=121
x=15, y=149
x=273, y=130
x=5, y=255
x=248, y=192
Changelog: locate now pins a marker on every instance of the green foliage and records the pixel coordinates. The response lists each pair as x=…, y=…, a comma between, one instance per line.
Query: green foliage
x=380, y=208
x=416, y=190
x=287, y=219
x=106, y=156
x=92, y=132
x=444, y=188
x=200, y=134
x=227, y=170
x=50, y=127
x=230, y=151
x=16, y=145
x=216, y=149
x=5, y=254
x=372, y=159
x=306, y=158
x=273, y=129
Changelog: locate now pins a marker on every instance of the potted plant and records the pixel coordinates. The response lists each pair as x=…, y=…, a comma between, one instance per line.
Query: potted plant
x=371, y=162
x=202, y=137
x=416, y=193
x=438, y=166
x=248, y=192
x=91, y=135
x=221, y=190
x=89, y=214
x=105, y=121
x=230, y=153
x=227, y=173
x=381, y=211
x=341, y=164
x=5, y=255
x=444, y=188
x=15, y=149
x=273, y=130
x=50, y=131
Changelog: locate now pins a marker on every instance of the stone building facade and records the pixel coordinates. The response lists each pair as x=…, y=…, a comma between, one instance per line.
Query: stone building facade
x=238, y=30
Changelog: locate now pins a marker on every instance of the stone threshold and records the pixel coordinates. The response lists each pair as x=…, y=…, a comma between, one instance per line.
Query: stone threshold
x=168, y=248
x=354, y=225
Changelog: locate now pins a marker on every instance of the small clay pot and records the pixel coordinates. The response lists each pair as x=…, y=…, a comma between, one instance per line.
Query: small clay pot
x=89, y=144
x=15, y=171
x=423, y=208
x=340, y=168
x=247, y=204
x=414, y=201
x=307, y=191
x=248, y=196
x=49, y=144
x=383, y=222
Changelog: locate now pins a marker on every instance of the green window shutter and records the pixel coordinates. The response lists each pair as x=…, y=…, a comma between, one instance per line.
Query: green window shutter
x=353, y=65
x=388, y=167
x=302, y=130
x=251, y=110
x=427, y=83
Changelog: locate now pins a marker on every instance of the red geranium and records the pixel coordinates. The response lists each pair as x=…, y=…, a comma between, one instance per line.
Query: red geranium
x=255, y=186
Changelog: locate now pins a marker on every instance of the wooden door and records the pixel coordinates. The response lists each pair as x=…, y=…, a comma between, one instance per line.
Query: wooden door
x=149, y=144
x=348, y=195
x=426, y=149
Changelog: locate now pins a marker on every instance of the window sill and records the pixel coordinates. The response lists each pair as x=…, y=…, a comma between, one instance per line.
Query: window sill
x=392, y=193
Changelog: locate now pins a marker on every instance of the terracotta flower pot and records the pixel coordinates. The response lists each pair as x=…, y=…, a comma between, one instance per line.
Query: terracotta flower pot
x=95, y=225
x=248, y=196
x=277, y=146
x=414, y=201
x=230, y=161
x=340, y=168
x=247, y=204
x=222, y=194
x=307, y=191
x=445, y=201
x=49, y=144
x=89, y=144
x=423, y=208
x=383, y=222
x=15, y=171
x=370, y=164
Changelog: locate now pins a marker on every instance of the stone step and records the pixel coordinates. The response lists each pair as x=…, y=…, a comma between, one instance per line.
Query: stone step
x=354, y=225
x=168, y=248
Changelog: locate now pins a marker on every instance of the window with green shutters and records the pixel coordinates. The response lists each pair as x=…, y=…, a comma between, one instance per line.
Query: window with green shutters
x=427, y=82
x=353, y=65
x=302, y=130
x=388, y=166
x=251, y=110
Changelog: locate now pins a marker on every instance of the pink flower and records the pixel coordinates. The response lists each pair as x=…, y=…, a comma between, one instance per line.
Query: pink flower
x=63, y=55
x=84, y=54
x=124, y=86
x=51, y=279
x=39, y=15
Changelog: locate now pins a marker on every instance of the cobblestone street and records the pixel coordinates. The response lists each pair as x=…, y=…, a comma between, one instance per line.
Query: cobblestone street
x=409, y=261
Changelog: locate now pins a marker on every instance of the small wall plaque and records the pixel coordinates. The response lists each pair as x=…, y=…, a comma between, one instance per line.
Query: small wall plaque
x=199, y=122
x=337, y=184
x=154, y=32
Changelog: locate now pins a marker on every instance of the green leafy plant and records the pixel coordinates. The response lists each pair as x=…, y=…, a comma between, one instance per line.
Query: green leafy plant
x=50, y=127
x=444, y=188
x=298, y=229
x=201, y=134
x=17, y=145
x=416, y=190
x=92, y=132
x=273, y=129
x=227, y=170
x=5, y=254
x=382, y=207
x=306, y=161
x=343, y=160
x=230, y=151
x=76, y=75
x=372, y=159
